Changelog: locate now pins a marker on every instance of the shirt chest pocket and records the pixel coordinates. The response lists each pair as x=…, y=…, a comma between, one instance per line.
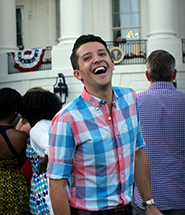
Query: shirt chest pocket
x=128, y=131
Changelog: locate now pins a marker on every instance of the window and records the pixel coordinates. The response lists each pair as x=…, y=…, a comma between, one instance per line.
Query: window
x=20, y=28
x=126, y=19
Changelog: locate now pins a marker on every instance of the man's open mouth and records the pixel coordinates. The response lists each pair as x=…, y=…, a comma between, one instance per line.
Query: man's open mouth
x=99, y=70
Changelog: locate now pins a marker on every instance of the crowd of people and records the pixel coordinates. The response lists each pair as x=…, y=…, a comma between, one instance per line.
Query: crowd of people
x=109, y=151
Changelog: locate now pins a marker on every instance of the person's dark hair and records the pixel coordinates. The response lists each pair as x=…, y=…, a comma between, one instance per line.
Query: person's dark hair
x=82, y=40
x=9, y=101
x=160, y=66
x=37, y=105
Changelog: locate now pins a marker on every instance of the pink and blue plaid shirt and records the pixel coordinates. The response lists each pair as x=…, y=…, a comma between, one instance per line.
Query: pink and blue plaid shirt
x=95, y=152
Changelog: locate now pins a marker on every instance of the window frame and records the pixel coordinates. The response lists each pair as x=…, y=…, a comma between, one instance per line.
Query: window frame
x=116, y=29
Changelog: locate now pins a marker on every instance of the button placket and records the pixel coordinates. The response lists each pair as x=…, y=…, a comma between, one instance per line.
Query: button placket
x=109, y=118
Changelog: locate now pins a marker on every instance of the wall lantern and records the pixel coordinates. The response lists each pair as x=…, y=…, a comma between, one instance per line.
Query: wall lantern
x=60, y=88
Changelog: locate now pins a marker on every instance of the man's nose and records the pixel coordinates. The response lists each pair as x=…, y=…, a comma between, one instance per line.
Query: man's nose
x=97, y=58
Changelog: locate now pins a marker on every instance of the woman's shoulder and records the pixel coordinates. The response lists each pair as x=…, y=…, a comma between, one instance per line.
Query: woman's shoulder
x=18, y=140
x=17, y=137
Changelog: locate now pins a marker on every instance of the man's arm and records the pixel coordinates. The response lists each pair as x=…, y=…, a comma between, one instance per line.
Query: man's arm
x=142, y=180
x=58, y=195
x=43, y=165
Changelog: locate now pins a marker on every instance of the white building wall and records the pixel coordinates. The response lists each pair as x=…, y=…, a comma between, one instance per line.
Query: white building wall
x=97, y=18
x=39, y=22
x=40, y=30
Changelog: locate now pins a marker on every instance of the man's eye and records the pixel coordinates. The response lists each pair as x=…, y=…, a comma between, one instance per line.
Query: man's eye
x=86, y=58
x=102, y=54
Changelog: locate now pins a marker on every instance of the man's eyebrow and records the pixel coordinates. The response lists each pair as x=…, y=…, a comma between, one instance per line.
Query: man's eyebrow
x=102, y=50
x=85, y=54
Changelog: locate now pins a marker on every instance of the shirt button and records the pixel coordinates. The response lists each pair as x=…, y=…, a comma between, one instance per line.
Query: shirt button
x=120, y=156
x=109, y=118
x=122, y=176
x=97, y=108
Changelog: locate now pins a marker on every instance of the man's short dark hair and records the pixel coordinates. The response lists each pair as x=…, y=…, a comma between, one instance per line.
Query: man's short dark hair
x=160, y=66
x=82, y=40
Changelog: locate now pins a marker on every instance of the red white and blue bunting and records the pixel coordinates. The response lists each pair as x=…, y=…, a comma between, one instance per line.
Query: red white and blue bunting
x=28, y=60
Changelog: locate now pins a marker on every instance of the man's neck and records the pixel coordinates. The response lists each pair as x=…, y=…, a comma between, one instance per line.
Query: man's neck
x=105, y=94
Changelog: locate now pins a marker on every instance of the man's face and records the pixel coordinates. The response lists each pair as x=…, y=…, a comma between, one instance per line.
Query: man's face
x=95, y=66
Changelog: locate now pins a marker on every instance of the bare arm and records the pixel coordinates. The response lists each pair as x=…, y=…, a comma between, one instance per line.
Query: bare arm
x=142, y=180
x=43, y=165
x=23, y=125
x=23, y=143
x=58, y=195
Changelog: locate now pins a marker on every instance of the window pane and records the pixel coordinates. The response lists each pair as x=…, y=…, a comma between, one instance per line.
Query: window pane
x=135, y=19
x=132, y=34
x=116, y=34
x=125, y=6
x=115, y=6
x=116, y=20
x=134, y=5
x=125, y=20
x=19, y=27
x=124, y=33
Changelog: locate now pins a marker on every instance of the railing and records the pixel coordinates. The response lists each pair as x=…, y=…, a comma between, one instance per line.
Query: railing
x=123, y=53
x=128, y=51
x=45, y=65
x=183, y=50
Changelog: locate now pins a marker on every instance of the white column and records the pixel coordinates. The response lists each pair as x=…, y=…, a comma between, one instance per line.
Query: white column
x=161, y=28
x=161, y=18
x=7, y=26
x=71, y=20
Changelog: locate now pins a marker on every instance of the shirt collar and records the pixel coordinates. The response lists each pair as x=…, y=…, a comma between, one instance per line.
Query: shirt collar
x=162, y=85
x=94, y=101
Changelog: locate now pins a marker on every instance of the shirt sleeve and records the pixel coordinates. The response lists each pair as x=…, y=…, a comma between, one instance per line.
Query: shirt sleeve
x=61, y=149
x=39, y=139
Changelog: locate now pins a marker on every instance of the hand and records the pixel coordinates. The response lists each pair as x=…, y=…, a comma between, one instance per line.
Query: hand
x=42, y=168
x=152, y=210
x=43, y=165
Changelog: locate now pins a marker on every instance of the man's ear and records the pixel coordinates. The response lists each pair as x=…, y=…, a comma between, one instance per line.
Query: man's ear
x=147, y=76
x=77, y=74
x=174, y=74
x=113, y=65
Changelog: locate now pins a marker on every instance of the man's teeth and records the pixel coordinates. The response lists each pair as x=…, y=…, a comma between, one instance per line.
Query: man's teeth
x=98, y=69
